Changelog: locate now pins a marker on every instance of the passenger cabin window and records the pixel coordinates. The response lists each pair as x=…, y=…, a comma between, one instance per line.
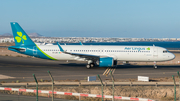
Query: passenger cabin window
x=165, y=51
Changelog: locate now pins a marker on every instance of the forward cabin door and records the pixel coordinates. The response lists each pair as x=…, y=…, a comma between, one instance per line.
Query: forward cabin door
x=155, y=52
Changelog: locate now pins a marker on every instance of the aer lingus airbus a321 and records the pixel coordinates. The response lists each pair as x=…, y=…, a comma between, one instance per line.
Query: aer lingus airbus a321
x=95, y=55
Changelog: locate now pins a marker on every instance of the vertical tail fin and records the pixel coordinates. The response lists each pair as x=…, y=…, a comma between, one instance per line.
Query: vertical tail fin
x=20, y=36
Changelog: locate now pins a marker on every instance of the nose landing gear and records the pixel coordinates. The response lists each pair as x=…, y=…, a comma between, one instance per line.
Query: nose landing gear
x=155, y=66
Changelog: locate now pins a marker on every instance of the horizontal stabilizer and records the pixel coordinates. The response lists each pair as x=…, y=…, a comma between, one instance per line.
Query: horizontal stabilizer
x=17, y=49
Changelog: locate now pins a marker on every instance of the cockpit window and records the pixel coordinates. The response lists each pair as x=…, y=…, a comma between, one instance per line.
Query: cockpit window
x=165, y=51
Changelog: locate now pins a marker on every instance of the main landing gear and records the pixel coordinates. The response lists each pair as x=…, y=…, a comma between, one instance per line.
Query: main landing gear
x=155, y=66
x=90, y=64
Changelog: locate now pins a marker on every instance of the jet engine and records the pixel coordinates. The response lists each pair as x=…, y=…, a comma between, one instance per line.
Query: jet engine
x=107, y=62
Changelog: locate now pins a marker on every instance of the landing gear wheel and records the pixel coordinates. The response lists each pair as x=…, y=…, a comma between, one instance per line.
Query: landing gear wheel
x=155, y=67
x=88, y=66
x=92, y=64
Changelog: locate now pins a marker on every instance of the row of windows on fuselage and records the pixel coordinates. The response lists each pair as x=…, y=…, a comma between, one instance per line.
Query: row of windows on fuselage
x=98, y=50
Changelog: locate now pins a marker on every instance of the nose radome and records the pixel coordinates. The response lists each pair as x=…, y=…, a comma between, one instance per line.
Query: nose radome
x=172, y=56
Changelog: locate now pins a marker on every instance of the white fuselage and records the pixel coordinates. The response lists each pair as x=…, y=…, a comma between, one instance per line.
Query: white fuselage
x=120, y=53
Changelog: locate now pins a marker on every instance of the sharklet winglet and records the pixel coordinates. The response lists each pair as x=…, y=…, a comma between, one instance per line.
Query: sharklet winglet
x=61, y=49
x=80, y=43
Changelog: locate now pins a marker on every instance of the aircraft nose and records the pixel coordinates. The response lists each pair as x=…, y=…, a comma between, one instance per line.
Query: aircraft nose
x=172, y=56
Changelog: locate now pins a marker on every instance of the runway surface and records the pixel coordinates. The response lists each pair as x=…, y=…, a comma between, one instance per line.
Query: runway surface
x=21, y=68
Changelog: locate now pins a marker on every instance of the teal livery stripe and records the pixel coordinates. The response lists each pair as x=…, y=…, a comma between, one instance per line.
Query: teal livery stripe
x=46, y=54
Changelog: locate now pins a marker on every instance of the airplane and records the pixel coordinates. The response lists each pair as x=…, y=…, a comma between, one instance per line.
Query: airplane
x=95, y=55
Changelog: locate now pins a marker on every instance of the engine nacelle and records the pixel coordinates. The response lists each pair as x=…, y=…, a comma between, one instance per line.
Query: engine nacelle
x=106, y=62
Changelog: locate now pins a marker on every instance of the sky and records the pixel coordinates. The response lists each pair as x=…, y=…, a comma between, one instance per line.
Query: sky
x=93, y=18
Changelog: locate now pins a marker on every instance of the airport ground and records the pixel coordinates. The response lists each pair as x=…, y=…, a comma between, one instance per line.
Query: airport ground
x=21, y=67
x=16, y=67
x=160, y=93
x=7, y=97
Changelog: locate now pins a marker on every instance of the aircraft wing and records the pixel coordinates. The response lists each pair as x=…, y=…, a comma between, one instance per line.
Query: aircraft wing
x=85, y=56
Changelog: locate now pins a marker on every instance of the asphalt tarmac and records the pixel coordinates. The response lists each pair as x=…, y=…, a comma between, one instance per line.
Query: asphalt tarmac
x=21, y=68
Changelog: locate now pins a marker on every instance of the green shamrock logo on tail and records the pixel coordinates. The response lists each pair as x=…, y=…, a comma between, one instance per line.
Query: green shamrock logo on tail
x=20, y=37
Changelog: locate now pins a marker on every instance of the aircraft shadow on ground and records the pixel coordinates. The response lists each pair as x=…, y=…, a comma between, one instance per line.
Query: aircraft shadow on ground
x=141, y=67
x=71, y=65
x=146, y=66
x=74, y=65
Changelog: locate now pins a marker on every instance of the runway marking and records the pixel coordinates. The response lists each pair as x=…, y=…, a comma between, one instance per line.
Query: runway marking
x=107, y=71
x=5, y=77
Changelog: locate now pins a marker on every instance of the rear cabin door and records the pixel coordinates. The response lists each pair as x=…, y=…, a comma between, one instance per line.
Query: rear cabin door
x=35, y=50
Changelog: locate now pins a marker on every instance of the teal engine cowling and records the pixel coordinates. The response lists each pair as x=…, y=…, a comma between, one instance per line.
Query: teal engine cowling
x=107, y=62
